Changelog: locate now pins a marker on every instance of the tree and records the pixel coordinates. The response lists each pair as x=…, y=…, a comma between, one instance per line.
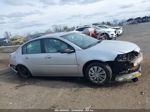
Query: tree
x=7, y=35
x=57, y=28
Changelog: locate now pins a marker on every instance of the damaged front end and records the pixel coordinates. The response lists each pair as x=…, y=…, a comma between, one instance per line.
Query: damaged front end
x=126, y=66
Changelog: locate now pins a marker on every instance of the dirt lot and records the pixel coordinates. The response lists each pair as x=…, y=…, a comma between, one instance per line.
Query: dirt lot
x=75, y=93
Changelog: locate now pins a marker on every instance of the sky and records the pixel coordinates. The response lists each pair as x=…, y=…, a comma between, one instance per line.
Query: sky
x=30, y=16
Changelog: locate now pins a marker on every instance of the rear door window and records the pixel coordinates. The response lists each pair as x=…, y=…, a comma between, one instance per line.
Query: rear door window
x=33, y=47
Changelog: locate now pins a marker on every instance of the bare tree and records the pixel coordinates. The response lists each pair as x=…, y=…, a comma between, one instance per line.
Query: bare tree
x=7, y=35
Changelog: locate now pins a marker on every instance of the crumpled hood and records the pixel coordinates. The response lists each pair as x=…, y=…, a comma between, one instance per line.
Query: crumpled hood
x=116, y=46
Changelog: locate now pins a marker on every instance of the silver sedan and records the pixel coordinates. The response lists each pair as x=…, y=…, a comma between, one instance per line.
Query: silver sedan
x=77, y=55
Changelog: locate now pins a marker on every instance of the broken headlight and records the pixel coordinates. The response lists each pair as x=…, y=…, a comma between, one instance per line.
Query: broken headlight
x=122, y=57
x=128, y=56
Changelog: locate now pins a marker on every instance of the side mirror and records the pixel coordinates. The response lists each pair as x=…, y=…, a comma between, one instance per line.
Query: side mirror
x=67, y=51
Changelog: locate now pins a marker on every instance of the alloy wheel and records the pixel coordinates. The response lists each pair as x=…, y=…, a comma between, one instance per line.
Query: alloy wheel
x=97, y=74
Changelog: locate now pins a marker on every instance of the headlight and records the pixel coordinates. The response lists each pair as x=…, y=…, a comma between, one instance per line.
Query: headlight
x=128, y=56
x=122, y=57
x=111, y=32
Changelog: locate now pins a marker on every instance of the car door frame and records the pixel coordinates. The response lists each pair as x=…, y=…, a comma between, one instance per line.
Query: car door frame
x=26, y=58
x=59, y=53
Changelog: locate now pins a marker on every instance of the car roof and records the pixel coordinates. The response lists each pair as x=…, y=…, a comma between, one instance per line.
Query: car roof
x=53, y=35
x=83, y=27
x=104, y=25
x=57, y=35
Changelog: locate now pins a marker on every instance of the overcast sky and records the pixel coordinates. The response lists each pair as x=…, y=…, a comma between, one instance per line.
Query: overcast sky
x=25, y=16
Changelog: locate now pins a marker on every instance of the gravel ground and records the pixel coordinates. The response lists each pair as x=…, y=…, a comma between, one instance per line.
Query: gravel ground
x=76, y=93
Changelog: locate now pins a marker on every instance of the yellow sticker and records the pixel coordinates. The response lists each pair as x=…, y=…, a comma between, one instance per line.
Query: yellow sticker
x=136, y=74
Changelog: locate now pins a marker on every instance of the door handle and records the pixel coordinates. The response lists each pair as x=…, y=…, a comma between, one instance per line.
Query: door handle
x=48, y=57
x=26, y=58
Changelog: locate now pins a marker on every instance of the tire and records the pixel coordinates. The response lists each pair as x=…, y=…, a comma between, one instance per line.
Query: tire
x=98, y=73
x=135, y=79
x=114, y=38
x=106, y=36
x=23, y=72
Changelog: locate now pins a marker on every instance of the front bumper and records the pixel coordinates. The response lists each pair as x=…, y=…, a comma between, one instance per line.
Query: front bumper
x=112, y=35
x=119, y=32
x=123, y=71
x=127, y=77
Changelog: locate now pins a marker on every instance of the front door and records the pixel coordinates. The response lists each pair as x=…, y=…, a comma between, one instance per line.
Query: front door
x=56, y=62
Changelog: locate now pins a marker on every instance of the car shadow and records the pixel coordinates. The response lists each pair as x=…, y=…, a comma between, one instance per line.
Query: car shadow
x=53, y=82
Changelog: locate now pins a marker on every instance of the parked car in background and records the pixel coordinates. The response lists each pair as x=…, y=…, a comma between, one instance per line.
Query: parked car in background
x=119, y=29
x=145, y=19
x=4, y=42
x=77, y=55
x=138, y=20
x=103, y=33
x=130, y=21
x=93, y=33
x=112, y=33
x=16, y=40
x=81, y=28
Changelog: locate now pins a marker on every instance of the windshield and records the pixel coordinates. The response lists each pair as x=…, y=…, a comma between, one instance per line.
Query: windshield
x=104, y=27
x=81, y=40
x=98, y=27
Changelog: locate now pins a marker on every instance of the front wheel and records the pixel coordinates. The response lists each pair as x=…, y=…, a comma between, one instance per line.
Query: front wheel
x=135, y=79
x=98, y=73
x=105, y=36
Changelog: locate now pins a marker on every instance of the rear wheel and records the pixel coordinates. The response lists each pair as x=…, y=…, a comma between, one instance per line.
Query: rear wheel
x=98, y=73
x=23, y=72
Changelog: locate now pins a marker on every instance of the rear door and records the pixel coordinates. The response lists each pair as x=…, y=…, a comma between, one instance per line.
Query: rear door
x=33, y=57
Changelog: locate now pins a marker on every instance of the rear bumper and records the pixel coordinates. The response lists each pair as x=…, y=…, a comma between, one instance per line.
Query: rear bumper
x=12, y=67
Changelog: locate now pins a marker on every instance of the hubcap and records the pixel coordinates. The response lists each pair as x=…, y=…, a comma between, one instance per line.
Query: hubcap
x=97, y=74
